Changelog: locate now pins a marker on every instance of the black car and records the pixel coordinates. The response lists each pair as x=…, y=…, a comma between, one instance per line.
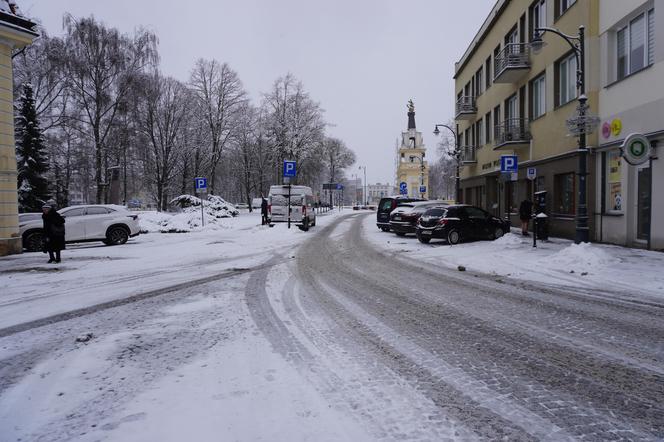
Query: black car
x=386, y=206
x=403, y=219
x=459, y=223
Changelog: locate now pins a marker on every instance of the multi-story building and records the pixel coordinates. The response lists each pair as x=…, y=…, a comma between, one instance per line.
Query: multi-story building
x=512, y=101
x=631, y=97
x=377, y=191
x=15, y=32
x=412, y=169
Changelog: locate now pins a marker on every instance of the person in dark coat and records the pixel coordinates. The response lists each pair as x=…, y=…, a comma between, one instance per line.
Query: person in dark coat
x=525, y=213
x=264, y=219
x=54, y=232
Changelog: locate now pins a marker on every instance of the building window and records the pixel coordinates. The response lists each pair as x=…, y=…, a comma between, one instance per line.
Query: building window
x=496, y=121
x=480, y=133
x=487, y=73
x=614, y=182
x=566, y=80
x=487, y=127
x=635, y=45
x=537, y=16
x=538, y=97
x=563, y=189
x=479, y=81
x=562, y=6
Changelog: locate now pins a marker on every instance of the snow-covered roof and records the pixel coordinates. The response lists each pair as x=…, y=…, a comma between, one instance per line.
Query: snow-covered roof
x=11, y=16
x=10, y=7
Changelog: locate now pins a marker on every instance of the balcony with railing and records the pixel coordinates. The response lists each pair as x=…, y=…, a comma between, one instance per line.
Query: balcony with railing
x=466, y=108
x=512, y=133
x=468, y=155
x=512, y=63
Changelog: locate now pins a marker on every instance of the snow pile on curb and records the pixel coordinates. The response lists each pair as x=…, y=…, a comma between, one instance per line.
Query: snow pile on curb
x=508, y=240
x=215, y=206
x=584, y=256
x=186, y=221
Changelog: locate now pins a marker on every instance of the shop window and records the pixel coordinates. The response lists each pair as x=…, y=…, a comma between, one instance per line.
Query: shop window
x=563, y=190
x=614, y=201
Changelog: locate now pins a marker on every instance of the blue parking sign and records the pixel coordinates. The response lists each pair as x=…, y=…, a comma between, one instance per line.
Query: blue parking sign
x=403, y=188
x=200, y=184
x=289, y=169
x=423, y=189
x=509, y=163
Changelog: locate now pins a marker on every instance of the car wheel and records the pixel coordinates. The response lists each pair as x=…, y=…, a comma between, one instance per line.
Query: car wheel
x=423, y=240
x=498, y=233
x=305, y=225
x=385, y=229
x=116, y=236
x=34, y=242
x=453, y=237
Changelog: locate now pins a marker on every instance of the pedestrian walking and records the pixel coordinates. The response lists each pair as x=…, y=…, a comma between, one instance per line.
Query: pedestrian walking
x=264, y=218
x=54, y=232
x=525, y=213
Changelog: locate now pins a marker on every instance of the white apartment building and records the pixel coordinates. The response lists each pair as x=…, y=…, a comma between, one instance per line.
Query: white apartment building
x=630, y=197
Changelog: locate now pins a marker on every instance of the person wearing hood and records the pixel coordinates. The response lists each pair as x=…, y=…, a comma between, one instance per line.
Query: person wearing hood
x=54, y=232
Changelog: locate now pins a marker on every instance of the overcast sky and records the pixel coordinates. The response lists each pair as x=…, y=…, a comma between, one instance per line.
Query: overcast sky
x=361, y=59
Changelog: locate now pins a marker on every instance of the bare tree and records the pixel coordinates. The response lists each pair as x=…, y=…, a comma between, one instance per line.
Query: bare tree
x=102, y=65
x=337, y=157
x=220, y=97
x=164, y=115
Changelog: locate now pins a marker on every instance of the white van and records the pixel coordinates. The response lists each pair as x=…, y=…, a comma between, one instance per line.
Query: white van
x=301, y=205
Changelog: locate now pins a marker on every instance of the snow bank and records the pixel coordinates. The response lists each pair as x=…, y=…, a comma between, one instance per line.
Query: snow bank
x=215, y=205
x=188, y=220
x=583, y=256
x=508, y=240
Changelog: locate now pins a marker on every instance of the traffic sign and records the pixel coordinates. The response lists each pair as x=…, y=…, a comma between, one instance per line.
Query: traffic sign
x=509, y=163
x=289, y=169
x=200, y=184
x=423, y=189
x=403, y=188
x=532, y=173
x=340, y=187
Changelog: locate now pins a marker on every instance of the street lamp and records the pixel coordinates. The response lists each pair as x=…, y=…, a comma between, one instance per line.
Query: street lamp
x=364, y=203
x=457, y=156
x=580, y=125
x=412, y=159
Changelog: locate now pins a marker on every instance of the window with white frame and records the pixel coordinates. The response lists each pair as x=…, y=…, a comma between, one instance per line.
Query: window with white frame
x=480, y=133
x=567, y=80
x=538, y=94
x=635, y=45
x=564, y=5
x=538, y=15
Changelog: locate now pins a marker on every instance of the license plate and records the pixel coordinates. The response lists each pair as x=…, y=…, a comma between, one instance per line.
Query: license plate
x=426, y=232
x=397, y=218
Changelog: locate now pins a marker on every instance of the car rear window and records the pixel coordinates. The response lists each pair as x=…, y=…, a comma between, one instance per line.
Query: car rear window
x=436, y=212
x=386, y=204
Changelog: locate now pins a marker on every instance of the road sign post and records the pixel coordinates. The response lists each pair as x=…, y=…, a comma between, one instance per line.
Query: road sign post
x=290, y=171
x=200, y=184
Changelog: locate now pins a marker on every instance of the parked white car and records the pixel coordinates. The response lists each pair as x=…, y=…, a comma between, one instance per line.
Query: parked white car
x=111, y=224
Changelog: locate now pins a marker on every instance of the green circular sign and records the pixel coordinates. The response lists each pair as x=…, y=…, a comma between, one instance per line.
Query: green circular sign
x=636, y=149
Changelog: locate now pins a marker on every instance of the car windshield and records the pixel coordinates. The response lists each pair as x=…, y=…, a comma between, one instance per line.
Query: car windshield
x=386, y=204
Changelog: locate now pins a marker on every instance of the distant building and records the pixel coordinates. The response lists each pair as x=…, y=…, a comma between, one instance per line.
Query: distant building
x=16, y=32
x=412, y=169
x=631, y=99
x=377, y=191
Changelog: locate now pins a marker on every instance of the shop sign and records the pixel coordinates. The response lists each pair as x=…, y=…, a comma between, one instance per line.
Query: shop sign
x=636, y=149
x=606, y=129
x=616, y=127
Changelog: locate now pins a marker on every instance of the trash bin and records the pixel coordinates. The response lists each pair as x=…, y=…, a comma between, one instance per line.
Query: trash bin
x=541, y=219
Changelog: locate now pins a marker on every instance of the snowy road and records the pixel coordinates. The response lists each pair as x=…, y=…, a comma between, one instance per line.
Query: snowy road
x=337, y=340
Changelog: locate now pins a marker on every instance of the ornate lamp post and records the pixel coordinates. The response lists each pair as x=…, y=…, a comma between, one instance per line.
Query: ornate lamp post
x=457, y=156
x=412, y=159
x=580, y=124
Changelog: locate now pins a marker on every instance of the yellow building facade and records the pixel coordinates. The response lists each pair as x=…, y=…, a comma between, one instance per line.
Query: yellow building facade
x=512, y=101
x=15, y=33
x=412, y=169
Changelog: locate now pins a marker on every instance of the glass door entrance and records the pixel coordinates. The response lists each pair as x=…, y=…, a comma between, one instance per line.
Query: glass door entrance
x=643, y=204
